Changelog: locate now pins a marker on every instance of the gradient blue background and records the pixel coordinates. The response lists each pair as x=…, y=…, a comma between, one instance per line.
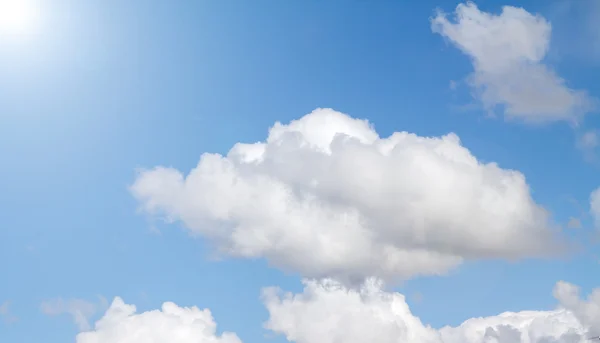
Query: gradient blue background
x=110, y=86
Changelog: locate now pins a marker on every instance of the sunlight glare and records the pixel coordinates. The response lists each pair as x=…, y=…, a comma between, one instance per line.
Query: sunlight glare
x=17, y=17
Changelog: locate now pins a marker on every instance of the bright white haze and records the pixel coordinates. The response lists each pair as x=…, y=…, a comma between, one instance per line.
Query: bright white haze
x=18, y=17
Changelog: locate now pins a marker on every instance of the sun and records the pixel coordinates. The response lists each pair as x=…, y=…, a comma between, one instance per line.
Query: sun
x=17, y=17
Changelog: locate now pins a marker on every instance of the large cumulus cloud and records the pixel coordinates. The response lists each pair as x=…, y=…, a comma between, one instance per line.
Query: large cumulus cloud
x=328, y=312
x=326, y=196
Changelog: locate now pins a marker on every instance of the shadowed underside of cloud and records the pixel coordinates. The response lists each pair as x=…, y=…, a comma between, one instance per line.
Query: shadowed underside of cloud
x=325, y=196
x=328, y=312
x=507, y=51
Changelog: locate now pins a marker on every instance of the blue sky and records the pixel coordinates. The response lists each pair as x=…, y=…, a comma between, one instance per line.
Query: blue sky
x=105, y=88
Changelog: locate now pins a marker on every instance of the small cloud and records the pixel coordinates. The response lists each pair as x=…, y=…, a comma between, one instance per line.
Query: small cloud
x=80, y=310
x=507, y=51
x=5, y=314
x=170, y=323
x=574, y=223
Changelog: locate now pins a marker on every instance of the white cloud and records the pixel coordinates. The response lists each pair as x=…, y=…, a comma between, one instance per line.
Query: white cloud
x=80, y=310
x=327, y=312
x=595, y=206
x=327, y=197
x=507, y=51
x=587, y=311
x=171, y=324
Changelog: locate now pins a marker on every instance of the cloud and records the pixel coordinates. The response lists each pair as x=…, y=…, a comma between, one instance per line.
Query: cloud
x=171, y=324
x=80, y=310
x=595, y=207
x=587, y=311
x=325, y=196
x=327, y=312
x=507, y=52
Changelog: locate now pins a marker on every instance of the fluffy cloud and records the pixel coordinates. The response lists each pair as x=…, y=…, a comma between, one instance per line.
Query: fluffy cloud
x=80, y=310
x=327, y=197
x=586, y=311
x=327, y=312
x=507, y=51
x=172, y=324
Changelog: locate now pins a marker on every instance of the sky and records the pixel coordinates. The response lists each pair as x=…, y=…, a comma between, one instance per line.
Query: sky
x=302, y=171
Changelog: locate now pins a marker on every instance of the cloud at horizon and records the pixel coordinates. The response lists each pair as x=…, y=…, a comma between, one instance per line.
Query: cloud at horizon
x=328, y=312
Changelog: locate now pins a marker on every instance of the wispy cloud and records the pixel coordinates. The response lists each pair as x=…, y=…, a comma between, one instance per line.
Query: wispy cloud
x=80, y=310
